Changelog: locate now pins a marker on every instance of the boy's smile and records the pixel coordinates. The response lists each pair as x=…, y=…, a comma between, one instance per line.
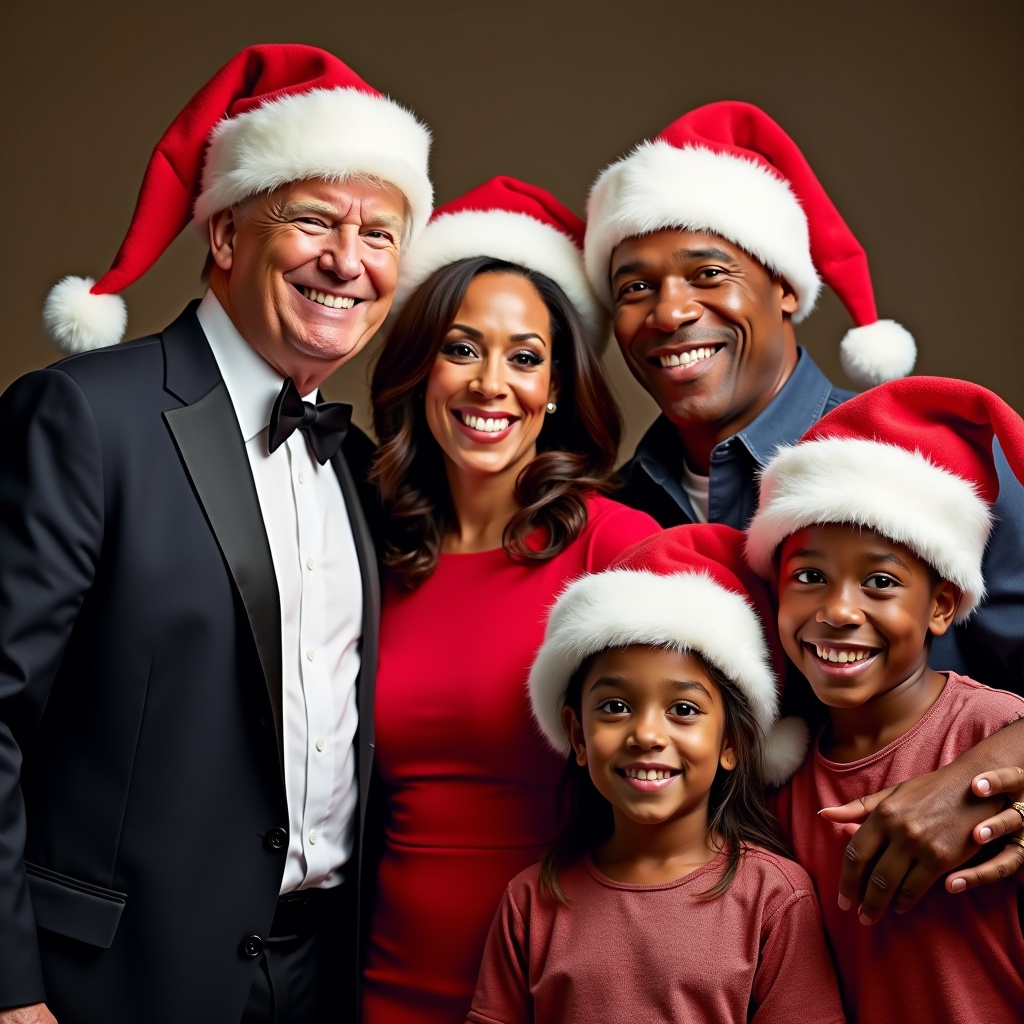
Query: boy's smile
x=856, y=611
x=652, y=733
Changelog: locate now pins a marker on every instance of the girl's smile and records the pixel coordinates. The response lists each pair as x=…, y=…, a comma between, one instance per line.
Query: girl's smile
x=652, y=734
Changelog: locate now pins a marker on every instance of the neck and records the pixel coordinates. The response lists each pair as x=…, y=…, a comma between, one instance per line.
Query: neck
x=700, y=438
x=861, y=731
x=650, y=854
x=483, y=505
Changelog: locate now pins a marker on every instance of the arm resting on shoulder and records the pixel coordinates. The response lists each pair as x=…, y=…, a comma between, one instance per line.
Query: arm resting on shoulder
x=916, y=832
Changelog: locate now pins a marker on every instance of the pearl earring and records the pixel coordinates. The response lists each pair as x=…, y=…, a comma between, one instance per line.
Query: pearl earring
x=551, y=407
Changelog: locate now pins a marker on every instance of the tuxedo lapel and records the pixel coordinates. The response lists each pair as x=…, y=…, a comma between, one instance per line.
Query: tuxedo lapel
x=207, y=437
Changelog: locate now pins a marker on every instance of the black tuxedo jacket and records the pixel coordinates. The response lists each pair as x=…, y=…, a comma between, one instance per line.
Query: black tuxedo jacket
x=142, y=798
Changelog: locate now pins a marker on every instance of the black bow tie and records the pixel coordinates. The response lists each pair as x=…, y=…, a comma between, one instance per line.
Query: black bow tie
x=324, y=424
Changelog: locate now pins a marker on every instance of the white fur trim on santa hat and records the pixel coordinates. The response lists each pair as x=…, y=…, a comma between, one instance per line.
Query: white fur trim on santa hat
x=878, y=352
x=77, y=320
x=502, y=234
x=899, y=493
x=659, y=186
x=684, y=611
x=323, y=133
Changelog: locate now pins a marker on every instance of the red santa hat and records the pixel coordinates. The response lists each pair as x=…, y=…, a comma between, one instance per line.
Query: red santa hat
x=729, y=169
x=274, y=114
x=911, y=459
x=687, y=588
x=509, y=220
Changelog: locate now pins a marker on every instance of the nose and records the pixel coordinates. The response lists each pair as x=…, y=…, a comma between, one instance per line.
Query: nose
x=648, y=730
x=677, y=304
x=489, y=381
x=840, y=607
x=341, y=255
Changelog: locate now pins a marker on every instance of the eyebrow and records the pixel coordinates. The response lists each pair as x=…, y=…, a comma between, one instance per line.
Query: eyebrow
x=680, y=255
x=308, y=206
x=882, y=558
x=684, y=685
x=474, y=333
x=384, y=220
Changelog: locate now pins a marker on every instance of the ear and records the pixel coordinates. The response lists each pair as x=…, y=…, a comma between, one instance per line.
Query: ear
x=789, y=301
x=727, y=758
x=945, y=601
x=222, y=229
x=574, y=730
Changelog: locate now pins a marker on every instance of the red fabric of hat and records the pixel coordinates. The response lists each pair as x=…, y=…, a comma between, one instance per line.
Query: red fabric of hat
x=728, y=169
x=275, y=113
x=510, y=220
x=689, y=589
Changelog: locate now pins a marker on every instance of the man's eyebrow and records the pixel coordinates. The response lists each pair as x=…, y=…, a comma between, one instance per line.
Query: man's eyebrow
x=707, y=253
x=298, y=206
x=629, y=268
x=680, y=255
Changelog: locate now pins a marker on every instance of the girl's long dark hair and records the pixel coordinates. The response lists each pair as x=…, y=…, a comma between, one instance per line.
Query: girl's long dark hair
x=737, y=813
x=576, y=449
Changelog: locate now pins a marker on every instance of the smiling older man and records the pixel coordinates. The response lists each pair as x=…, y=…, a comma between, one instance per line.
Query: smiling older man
x=188, y=594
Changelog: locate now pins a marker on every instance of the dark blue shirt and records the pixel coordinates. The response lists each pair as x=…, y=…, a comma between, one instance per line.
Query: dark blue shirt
x=989, y=647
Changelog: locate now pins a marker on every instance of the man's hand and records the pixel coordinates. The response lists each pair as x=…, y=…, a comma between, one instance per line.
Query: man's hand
x=37, y=1013
x=916, y=832
x=1009, y=822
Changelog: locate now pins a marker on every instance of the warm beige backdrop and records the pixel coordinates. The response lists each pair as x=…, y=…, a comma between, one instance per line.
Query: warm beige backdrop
x=909, y=110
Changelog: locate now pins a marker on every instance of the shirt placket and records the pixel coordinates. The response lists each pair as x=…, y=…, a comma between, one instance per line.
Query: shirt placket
x=313, y=668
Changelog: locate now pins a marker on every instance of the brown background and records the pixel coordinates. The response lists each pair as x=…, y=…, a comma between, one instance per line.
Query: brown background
x=910, y=111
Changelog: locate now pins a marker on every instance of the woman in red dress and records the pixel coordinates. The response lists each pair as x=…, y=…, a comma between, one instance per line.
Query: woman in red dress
x=497, y=438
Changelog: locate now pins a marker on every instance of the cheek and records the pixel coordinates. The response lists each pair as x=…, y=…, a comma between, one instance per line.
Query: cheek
x=382, y=267
x=625, y=324
x=533, y=393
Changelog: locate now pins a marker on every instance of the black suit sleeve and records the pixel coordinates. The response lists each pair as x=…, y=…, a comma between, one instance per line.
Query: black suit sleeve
x=51, y=525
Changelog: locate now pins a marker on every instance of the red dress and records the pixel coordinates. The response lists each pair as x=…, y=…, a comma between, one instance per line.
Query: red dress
x=471, y=784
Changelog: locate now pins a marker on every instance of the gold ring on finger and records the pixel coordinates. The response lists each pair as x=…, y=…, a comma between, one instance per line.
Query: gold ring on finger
x=1017, y=840
x=1019, y=808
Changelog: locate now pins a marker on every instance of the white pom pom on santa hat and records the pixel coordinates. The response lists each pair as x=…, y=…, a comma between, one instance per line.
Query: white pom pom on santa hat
x=77, y=319
x=275, y=113
x=878, y=352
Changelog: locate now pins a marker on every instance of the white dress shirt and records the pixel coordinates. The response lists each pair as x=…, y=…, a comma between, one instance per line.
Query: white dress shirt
x=319, y=584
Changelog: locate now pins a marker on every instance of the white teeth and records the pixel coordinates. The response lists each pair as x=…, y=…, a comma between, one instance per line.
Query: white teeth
x=686, y=358
x=839, y=657
x=646, y=774
x=488, y=426
x=326, y=299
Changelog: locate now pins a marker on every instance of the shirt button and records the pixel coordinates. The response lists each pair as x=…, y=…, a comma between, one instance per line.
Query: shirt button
x=321, y=743
x=301, y=478
x=309, y=563
x=310, y=655
x=312, y=837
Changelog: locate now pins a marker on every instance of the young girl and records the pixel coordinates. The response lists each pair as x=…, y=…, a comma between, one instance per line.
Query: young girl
x=667, y=897
x=875, y=523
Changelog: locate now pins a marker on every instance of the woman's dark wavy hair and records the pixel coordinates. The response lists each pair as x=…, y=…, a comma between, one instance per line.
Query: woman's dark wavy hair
x=737, y=814
x=576, y=449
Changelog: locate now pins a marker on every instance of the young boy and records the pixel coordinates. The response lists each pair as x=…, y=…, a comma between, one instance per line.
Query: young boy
x=875, y=523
